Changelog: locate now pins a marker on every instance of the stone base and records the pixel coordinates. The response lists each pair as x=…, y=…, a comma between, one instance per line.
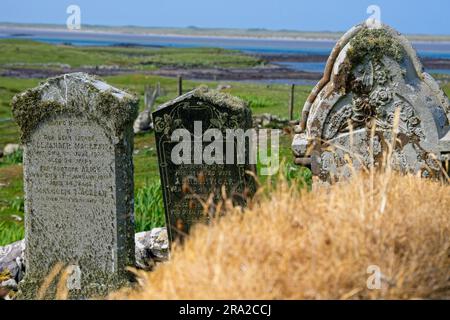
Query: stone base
x=152, y=247
x=29, y=289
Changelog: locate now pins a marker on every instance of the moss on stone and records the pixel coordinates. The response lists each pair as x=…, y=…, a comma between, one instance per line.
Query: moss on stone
x=374, y=44
x=120, y=112
x=96, y=286
x=5, y=275
x=102, y=106
x=219, y=98
x=29, y=110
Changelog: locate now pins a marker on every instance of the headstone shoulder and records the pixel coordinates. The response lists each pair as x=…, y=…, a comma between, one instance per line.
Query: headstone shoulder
x=214, y=97
x=75, y=94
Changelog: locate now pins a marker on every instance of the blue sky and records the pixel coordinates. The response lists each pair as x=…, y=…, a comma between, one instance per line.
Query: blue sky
x=413, y=16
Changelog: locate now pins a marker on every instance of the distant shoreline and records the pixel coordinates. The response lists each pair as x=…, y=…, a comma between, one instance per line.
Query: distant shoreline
x=160, y=34
x=283, y=59
x=236, y=34
x=176, y=35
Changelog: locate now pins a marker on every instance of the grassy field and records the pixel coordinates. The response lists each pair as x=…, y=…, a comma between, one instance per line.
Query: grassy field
x=262, y=98
x=25, y=53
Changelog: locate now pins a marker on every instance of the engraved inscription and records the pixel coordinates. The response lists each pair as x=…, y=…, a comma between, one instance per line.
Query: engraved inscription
x=70, y=181
x=194, y=189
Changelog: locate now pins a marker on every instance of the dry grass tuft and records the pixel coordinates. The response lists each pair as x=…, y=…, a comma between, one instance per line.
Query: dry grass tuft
x=317, y=245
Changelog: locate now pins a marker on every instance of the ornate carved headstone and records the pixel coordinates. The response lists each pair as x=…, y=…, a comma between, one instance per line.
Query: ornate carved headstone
x=201, y=167
x=78, y=174
x=373, y=85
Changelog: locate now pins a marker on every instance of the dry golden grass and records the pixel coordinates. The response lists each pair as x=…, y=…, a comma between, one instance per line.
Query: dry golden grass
x=317, y=245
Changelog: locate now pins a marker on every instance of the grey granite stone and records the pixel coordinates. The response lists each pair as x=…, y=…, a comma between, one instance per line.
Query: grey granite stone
x=12, y=259
x=151, y=247
x=10, y=148
x=78, y=180
x=9, y=284
x=371, y=73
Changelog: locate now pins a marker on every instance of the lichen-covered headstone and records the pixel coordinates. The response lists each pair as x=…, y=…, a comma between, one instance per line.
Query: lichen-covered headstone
x=198, y=175
x=78, y=175
x=373, y=89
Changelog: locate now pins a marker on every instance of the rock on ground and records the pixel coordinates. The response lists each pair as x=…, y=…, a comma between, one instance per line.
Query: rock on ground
x=267, y=120
x=151, y=247
x=12, y=260
x=10, y=148
x=143, y=122
x=9, y=284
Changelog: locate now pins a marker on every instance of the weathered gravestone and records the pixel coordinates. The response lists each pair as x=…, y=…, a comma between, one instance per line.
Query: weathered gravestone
x=197, y=158
x=78, y=175
x=371, y=73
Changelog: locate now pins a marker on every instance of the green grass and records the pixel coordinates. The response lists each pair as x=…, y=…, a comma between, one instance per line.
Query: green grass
x=9, y=132
x=14, y=158
x=11, y=203
x=149, y=207
x=446, y=88
x=145, y=160
x=258, y=102
x=262, y=98
x=297, y=175
x=10, y=233
x=27, y=53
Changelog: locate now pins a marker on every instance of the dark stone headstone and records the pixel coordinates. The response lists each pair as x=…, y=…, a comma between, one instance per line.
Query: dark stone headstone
x=189, y=177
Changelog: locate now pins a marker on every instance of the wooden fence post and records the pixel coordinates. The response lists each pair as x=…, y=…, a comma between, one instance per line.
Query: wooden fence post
x=180, y=85
x=291, y=102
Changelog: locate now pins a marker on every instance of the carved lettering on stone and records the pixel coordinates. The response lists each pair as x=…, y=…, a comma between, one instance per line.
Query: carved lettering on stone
x=78, y=180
